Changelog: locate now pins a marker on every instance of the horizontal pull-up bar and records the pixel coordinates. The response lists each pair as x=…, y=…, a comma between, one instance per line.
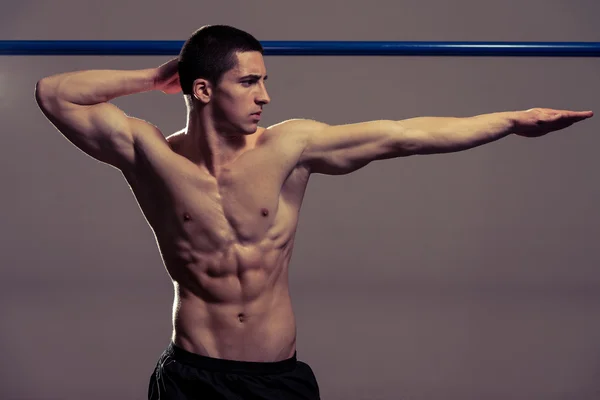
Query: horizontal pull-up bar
x=310, y=48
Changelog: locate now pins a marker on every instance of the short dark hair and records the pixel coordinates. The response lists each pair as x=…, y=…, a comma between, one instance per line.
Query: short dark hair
x=210, y=52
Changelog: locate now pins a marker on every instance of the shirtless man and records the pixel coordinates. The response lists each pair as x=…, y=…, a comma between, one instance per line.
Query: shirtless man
x=223, y=197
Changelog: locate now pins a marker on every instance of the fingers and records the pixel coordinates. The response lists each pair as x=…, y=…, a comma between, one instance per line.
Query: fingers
x=578, y=115
x=563, y=112
x=585, y=114
x=575, y=116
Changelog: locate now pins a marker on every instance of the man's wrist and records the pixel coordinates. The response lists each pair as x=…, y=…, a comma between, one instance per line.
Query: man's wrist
x=152, y=78
x=513, y=119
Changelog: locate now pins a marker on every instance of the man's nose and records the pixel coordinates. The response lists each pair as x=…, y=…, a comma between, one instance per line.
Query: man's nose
x=263, y=96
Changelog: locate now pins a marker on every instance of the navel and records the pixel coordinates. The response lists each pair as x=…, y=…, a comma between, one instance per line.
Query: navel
x=264, y=212
x=242, y=317
x=186, y=217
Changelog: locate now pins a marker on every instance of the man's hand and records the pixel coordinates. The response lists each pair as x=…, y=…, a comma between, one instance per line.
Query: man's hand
x=540, y=121
x=167, y=77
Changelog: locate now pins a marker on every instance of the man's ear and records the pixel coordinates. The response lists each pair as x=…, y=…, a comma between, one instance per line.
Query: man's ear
x=202, y=90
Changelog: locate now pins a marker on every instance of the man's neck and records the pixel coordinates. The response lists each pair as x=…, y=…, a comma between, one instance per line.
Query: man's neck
x=206, y=146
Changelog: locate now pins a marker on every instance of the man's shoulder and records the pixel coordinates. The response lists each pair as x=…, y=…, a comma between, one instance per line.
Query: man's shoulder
x=296, y=124
x=297, y=130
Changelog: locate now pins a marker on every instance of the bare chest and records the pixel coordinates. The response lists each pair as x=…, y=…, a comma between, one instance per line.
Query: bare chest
x=242, y=204
x=238, y=206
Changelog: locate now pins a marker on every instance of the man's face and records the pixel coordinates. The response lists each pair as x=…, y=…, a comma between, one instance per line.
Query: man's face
x=240, y=95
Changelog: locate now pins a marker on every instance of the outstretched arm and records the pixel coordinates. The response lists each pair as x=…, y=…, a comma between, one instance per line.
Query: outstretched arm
x=342, y=149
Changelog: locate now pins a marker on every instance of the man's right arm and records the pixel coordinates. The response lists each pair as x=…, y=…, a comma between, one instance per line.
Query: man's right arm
x=77, y=104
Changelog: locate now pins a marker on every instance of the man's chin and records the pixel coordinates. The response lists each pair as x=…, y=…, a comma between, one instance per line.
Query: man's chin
x=241, y=130
x=249, y=129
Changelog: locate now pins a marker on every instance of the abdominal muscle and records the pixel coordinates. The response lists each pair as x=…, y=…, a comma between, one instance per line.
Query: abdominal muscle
x=234, y=304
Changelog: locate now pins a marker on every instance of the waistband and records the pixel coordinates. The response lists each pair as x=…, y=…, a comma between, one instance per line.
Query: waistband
x=234, y=366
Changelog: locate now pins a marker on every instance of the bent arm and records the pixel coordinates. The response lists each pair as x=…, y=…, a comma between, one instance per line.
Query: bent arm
x=91, y=87
x=342, y=149
x=77, y=105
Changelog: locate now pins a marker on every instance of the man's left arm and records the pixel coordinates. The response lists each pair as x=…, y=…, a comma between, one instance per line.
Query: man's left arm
x=341, y=149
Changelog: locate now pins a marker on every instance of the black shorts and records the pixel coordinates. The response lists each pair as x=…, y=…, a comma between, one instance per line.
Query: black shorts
x=181, y=375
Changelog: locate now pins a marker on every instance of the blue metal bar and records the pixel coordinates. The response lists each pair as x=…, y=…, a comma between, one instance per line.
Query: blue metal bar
x=312, y=48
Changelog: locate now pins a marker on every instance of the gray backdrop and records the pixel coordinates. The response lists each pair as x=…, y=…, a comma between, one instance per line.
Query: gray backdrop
x=471, y=275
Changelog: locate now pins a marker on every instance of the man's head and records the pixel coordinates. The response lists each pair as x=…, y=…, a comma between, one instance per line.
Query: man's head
x=223, y=66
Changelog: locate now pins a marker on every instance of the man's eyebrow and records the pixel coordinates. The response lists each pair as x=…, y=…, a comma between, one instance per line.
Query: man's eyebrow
x=254, y=76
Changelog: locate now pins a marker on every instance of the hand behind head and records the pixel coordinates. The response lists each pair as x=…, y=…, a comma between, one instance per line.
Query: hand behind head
x=167, y=77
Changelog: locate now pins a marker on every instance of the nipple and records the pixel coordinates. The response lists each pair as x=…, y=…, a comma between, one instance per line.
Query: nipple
x=264, y=212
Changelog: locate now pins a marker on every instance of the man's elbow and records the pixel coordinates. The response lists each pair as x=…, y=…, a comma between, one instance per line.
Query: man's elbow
x=44, y=93
x=425, y=143
x=434, y=135
x=48, y=97
x=407, y=141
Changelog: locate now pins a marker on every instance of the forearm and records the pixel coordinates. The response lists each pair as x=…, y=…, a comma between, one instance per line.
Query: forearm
x=431, y=135
x=96, y=86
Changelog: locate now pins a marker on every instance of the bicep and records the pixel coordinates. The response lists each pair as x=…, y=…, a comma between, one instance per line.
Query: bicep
x=341, y=149
x=102, y=131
